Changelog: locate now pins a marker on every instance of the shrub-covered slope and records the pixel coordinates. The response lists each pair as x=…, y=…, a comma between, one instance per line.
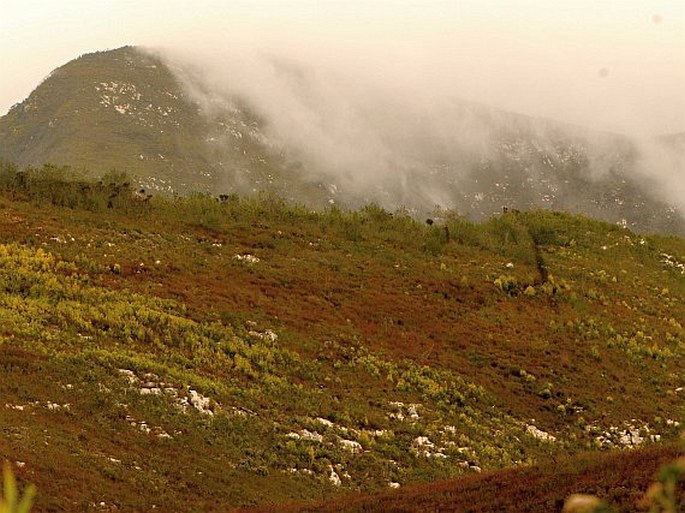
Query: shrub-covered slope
x=623, y=480
x=197, y=353
x=125, y=109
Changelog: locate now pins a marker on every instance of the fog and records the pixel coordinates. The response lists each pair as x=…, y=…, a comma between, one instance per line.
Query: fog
x=662, y=163
x=368, y=120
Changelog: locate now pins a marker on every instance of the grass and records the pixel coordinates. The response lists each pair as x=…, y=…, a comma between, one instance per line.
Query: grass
x=345, y=315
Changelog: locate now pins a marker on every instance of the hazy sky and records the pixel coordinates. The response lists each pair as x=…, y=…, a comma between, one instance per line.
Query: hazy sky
x=611, y=64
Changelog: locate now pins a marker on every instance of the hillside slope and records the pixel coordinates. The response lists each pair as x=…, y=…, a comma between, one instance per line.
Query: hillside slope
x=124, y=109
x=194, y=354
x=620, y=479
x=172, y=130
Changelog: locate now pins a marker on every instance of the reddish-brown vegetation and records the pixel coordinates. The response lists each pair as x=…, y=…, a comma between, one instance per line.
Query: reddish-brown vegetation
x=621, y=479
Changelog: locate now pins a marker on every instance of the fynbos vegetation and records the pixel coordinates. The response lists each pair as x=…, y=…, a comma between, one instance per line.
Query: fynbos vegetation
x=205, y=352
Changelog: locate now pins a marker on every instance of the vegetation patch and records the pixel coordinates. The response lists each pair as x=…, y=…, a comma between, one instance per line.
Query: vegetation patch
x=204, y=353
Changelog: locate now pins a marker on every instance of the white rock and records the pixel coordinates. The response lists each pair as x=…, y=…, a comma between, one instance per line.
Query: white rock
x=412, y=412
x=352, y=446
x=423, y=442
x=312, y=436
x=247, y=258
x=422, y=446
x=540, y=434
x=57, y=407
x=394, y=484
x=305, y=471
x=325, y=422
x=334, y=478
x=269, y=335
x=631, y=437
x=200, y=402
x=130, y=375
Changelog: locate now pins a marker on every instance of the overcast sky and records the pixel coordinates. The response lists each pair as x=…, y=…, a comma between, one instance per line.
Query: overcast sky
x=617, y=65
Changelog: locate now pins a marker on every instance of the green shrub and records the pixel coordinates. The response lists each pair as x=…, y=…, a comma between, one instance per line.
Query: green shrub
x=507, y=284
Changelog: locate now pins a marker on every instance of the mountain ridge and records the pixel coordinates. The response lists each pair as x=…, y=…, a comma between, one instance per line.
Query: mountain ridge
x=158, y=120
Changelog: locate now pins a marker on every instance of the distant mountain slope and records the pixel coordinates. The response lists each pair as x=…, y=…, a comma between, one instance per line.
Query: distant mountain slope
x=124, y=109
x=109, y=109
x=160, y=121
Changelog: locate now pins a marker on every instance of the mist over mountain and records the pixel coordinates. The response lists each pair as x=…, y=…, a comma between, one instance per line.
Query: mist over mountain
x=331, y=132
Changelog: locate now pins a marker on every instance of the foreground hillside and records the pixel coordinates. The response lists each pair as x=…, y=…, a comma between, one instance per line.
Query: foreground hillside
x=200, y=353
x=620, y=479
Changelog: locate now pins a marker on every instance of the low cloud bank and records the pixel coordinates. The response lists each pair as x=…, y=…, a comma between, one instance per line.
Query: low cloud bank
x=376, y=124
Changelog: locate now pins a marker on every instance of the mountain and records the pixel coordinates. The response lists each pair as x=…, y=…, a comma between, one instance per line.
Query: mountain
x=157, y=119
x=190, y=354
x=118, y=109
x=124, y=109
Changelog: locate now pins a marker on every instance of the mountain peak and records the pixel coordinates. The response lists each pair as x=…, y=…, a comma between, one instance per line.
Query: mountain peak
x=165, y=125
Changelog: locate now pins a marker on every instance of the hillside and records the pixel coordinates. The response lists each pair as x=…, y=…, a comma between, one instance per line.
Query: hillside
x=619, y=478
x=124, y=109
x=172, y=130
x=197, y=354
